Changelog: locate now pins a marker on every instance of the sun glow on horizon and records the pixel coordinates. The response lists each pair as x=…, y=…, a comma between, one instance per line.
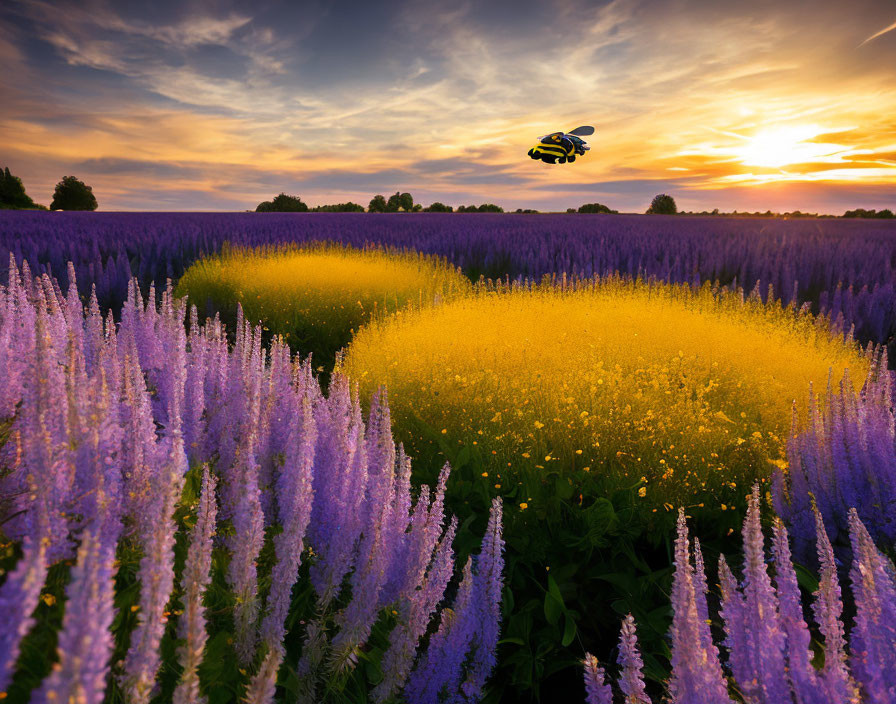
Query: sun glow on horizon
x=787, y=151
x=775, y=147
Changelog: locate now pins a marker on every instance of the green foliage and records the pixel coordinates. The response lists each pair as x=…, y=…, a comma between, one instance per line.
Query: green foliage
x=12, y=192
x=662, y=205
x=438, y=207
x=400, y=201
x=577, y=560
x=884, y=214
x=339, y=208
x=377, y=205
x=484, y=208
x=597, y=208
x=73, y=194
x=282, y=204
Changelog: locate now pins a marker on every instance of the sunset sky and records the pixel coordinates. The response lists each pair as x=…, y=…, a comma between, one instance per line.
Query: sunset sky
x=206, y=105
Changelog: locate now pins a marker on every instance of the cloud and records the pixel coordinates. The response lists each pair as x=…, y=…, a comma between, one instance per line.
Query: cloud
x=878, y=34
x=137, y=167
x=443, y=99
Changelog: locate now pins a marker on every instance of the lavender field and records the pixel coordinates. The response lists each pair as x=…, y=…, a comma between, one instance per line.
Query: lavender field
x=846, y=268
x=196, y=513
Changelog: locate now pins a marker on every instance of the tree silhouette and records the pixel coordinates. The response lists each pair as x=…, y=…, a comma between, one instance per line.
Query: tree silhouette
x=282, y=204
x=377, y=205
x=885, y=214
x=400, y=201
x=595, y=208
x=73, y=194
x=12, y=192
x=339, y=208
x=662, y=205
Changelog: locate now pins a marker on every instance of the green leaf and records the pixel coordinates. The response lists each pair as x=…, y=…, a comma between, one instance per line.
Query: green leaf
x=569, y=630
x=552, y=608
x=563, y=488
x=807, y=581
x=514, y=641
x=554, y=591
x=461, y=459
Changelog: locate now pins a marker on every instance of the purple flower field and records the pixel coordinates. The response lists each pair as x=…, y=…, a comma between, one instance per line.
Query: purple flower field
x=104, y=423
x=767, y=639
x=844, y=267
x=231, y=531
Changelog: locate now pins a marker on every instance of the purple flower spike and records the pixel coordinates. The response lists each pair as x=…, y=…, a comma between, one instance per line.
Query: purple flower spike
x=873, y=646
x=263, y=685
x=696, y=672
x=295, y=494
x=800, y=672
x=440, y=667
x=828, y=608
x=762, y=661
x=631, y=681
x=489, y=584
x=414, y=618
x=19, y=596
x=85, y=643
x=596, y=690
x=196, y=577
x=156, y=577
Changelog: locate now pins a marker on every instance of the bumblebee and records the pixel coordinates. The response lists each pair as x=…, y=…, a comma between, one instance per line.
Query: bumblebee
x=560, y=147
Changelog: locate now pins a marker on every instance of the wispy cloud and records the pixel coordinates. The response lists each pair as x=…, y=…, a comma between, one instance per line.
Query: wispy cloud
x=445, y=102
x=880, y=33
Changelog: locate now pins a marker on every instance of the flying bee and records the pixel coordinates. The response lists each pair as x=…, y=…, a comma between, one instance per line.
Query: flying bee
x=562, y=147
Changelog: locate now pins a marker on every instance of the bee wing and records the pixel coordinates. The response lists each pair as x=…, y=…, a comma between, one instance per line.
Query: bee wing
x=582, y=131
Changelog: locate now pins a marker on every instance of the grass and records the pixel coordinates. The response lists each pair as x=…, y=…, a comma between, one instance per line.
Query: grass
x=316, y=296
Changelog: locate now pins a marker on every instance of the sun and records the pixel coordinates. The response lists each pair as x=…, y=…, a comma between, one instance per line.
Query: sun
x=781, y=146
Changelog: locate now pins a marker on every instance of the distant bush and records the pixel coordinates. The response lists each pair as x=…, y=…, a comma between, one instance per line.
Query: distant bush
x=12, y=192
x=862, y=213
x=597, y=208
x=377, y=205
x=438, y=208
x=526, y=210
x=662, y=205
x=400, y=201
x=339, y=208
x=484, y=208
x=282, y=204
x=73, y=194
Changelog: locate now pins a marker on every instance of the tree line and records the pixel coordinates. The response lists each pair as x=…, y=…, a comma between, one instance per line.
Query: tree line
x=70, y=194
x=396, y=203
x=73, y=194
x=399, y=202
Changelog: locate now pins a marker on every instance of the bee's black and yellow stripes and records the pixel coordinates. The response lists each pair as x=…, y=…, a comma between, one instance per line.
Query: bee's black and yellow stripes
x=554, y=147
